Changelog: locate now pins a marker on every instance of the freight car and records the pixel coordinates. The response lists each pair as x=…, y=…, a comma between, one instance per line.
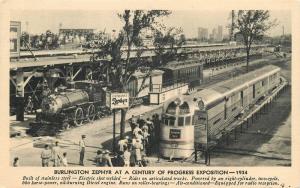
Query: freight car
x=200, y=117
x=70, y=107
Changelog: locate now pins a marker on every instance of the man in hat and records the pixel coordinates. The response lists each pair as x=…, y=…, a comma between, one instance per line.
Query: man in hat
x=82, y=149
x=56, y=156
x=45, y=156
x=122, y=143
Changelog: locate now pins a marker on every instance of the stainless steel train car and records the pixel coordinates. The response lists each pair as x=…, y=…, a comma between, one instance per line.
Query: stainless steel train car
x=201, y=116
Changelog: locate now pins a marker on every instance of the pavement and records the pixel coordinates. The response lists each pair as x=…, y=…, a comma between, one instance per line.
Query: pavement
x=99, y=135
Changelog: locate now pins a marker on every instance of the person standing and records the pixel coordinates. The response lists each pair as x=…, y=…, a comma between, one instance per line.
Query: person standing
x=82, y=150
x=145, y=135
x=16, y=162
x=126, y=157
x=106, y=160
x=56, y=154
x=122, y=143
x=45, y=156
x=137, y=147
x=64, y=160
x=98, y=158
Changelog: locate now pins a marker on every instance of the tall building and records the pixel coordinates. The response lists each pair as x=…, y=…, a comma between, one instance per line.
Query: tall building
x=213, y=35
x=202, y=34
x=220, y=33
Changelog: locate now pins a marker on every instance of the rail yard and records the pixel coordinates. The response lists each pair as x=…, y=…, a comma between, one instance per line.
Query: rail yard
x=203, y=103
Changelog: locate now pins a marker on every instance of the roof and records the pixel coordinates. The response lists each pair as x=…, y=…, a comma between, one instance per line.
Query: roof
x=174, y=65
x=139, y=74
x=219, y=91
x=245, y=80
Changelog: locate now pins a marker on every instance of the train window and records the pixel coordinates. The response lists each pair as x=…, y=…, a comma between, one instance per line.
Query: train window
x=171, y=121
x=184, y=108
x=180, y=121
x=215, y=122
x=188, y=120
x=166, y=121
x=171, y=108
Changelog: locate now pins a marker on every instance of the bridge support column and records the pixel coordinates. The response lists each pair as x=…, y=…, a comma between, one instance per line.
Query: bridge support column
x=20, y=95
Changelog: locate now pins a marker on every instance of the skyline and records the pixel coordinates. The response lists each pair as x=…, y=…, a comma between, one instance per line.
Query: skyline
x=189, y=21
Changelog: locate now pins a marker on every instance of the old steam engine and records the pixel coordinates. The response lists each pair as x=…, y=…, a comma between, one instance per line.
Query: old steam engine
x=69, y=107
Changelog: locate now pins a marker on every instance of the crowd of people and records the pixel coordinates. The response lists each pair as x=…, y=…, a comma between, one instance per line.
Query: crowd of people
x=132, y=151
x=50, y=40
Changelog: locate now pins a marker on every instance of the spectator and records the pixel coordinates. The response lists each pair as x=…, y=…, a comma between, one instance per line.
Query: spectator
x=118, y=160
x=16, y=162
x=146, y=141
x=145, y=161
x=82, y=150
x=45, y=156
x=137, y=147
x=106, y=160
x=126, y=156
x=98, y=158
x=64, y=160
x=140, y=121
x=122, y=143
x=56, y=154
x=132, y=122
x=136, y=131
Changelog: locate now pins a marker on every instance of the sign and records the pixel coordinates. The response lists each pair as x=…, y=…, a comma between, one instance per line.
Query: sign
x=175, y=134
x=200, y=134
x=117, y=100
x=15, y=36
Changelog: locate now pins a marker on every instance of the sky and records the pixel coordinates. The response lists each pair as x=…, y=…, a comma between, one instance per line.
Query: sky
x=40, y=21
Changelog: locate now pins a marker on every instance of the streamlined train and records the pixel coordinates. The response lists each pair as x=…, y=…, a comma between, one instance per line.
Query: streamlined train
x=201, y=116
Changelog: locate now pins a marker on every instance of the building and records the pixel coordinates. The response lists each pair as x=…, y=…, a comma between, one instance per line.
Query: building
x=213, y=35
x=76, y=31
x=202, y=34
x=220, y=33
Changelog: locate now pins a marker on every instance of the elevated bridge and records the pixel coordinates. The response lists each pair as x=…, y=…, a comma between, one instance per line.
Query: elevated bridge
x=79, y=62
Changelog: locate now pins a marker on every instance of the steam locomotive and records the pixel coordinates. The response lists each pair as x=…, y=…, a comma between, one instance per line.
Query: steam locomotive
x=70, y=107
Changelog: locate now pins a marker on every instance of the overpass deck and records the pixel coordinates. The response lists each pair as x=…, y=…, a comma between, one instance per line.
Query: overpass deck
x=57, y=57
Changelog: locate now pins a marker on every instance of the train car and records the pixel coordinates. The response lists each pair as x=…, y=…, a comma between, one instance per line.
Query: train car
x=140, y=85
x=189, y=71
x=201, y=116
x=70, y=107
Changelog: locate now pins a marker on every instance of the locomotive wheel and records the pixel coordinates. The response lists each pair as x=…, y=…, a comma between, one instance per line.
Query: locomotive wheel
x=78, y=118
x=65, y=126
x=91, y=113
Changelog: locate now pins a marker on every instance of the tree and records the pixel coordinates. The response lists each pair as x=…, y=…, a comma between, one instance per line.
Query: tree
x=166, y=44
x=120, y=69
x=252, y=26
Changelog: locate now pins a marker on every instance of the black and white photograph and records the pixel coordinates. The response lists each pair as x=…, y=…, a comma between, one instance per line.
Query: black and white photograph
x=150, y=88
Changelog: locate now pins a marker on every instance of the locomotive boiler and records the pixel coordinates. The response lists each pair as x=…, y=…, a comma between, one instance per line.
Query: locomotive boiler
x=70, y=107
x=56, y=103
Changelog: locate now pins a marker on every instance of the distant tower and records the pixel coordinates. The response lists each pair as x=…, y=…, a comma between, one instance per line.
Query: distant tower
x=283, y=30
x=59, y=27
x=232, y=26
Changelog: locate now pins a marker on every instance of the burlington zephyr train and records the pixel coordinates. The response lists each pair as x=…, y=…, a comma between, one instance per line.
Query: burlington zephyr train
x=202, y=116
